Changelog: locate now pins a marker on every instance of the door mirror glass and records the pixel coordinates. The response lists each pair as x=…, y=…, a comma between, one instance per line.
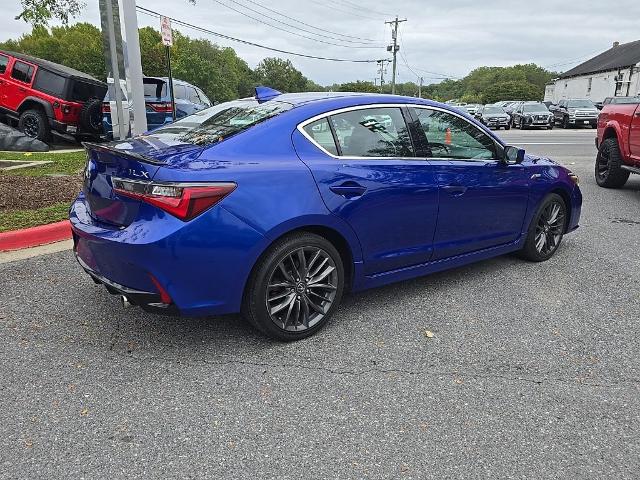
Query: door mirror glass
x=513, y=155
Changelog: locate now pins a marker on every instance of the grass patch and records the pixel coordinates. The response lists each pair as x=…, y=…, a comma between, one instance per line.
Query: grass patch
x=63, y=163
x=16, y=219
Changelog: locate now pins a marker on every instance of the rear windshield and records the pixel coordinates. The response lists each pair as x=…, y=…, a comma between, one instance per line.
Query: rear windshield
x=216, y=123
x=623, y=100
x=154, y=88
x=580, y=104
x=535, y=108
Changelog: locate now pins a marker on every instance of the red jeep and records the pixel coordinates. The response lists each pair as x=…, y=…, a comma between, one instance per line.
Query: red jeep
x=618, y=142
x=44, y=97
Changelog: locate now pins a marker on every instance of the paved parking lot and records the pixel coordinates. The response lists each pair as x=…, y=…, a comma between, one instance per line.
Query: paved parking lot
x=532, y=370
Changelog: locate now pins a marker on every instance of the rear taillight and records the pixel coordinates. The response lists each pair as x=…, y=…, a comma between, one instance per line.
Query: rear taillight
x=160, y=106
x=182, y=200
x=66, y=109
x=106, y=107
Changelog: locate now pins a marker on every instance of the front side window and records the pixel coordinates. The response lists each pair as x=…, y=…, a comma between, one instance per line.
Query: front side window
x=22, y=72
x=4, y=61
x=320, y=132
x=372, y=132
x=449, y=136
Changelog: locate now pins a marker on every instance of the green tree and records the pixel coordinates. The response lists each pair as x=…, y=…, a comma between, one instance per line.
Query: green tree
x=512, y=90
x=41, y=12
x=358, y=86
x=280, y=74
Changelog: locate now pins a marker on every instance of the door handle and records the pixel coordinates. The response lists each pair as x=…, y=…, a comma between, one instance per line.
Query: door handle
x=348, y=189
x=455, y=190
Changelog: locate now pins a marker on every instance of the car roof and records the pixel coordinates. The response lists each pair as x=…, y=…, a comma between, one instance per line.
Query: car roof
x=53, y=67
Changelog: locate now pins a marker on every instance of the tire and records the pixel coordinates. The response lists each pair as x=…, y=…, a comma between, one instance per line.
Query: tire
x=594, y=125
x=550, y=127
x=288, y=323
x=543, y=231
x=608, y=171
x=91, y=116
x=35, y=124
x=507, y=127
x=565, y=123
x=522, y=124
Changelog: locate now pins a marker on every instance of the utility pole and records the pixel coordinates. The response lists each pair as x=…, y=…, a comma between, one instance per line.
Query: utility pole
x=393, y=48
x=382, y=70
x=420, y=88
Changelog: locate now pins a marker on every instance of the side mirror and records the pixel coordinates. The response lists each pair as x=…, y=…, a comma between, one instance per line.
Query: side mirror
x=513, y=155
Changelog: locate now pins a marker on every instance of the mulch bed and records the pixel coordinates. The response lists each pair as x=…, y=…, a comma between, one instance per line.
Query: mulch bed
x=19, y=192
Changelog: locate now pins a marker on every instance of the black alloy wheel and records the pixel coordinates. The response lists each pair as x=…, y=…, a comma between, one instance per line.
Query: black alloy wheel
x=547, y=229
x=295, y=287
x=35, y=124
x=608, y=169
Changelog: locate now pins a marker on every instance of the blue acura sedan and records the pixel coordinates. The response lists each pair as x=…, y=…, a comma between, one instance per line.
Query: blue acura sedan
x=277, y=205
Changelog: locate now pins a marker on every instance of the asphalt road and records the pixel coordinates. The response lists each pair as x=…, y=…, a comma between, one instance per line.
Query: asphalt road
x=532, y=370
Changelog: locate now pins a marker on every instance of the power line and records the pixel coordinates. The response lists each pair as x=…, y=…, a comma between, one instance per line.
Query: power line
x=349, y=12
x=284, y=29
x=309, y=25
x=360, y=7
x=246, y=42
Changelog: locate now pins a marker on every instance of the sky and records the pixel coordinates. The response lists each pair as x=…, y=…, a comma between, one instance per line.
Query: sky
x=438, y=40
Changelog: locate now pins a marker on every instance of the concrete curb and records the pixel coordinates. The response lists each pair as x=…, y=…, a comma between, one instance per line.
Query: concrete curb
x=34, y=236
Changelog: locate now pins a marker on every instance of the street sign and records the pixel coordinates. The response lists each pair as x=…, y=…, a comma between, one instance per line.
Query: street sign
x=165, y=31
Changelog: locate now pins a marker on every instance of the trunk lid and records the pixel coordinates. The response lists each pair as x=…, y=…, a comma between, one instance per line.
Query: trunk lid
x=137, y=159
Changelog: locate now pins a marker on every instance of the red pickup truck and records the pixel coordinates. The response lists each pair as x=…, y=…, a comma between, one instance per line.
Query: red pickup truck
x=618, y=143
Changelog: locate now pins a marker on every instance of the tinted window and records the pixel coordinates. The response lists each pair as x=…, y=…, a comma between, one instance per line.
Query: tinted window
x=22, y=72
x=3, y=64
x=449, y=136
x=217, y=123
x=83, y=91
x=321, y=134
x=372, y=132
x=50, y=82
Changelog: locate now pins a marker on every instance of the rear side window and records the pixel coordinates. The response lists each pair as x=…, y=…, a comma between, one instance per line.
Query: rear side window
x=192, y=96
x=22, y=72
x=3, y=64
x=372, y=132
x=320, y=132
x=50, y=83
x=179, y=92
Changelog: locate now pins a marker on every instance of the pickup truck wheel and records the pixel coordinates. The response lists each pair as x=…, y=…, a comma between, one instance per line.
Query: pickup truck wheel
x=546, y=230
x=34, y=124
x=565, y=122
x=608, y=171
x=522, y=124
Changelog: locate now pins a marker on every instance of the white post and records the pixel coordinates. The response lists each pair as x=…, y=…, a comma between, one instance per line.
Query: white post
x=133, y=65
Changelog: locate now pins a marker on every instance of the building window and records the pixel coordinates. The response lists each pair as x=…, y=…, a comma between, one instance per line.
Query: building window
x=589, y=83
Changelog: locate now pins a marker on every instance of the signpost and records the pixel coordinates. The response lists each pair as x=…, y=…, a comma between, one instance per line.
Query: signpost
x=167, y=41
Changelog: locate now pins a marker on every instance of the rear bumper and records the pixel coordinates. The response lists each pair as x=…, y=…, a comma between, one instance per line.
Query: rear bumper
x=148, y=301
x=202, y=265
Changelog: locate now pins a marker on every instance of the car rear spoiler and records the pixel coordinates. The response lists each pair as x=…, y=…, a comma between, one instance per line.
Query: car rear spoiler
x=122, y=153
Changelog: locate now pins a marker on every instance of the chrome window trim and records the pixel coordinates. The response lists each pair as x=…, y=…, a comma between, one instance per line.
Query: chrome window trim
x=326, y=115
